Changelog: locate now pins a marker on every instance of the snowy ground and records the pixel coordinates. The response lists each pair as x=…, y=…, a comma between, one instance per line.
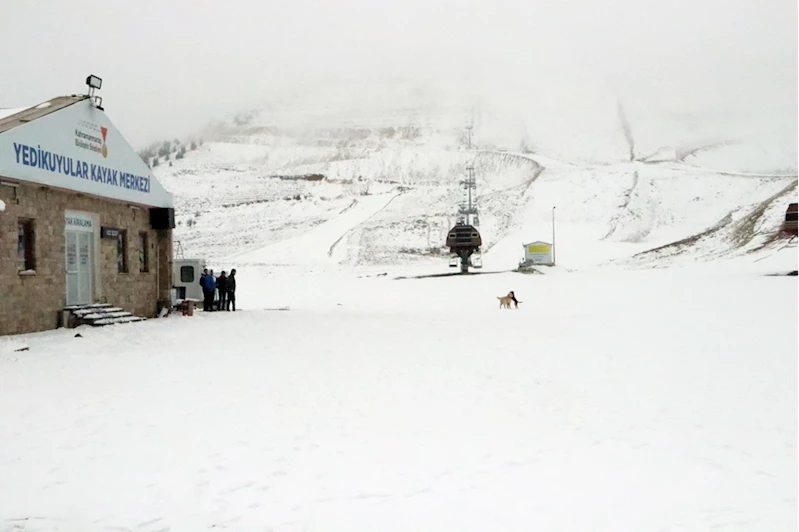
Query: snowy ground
x=658, y=400
x=648, y=382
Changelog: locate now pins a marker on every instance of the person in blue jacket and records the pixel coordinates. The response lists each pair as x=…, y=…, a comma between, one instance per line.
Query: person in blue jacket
x=208, y=284
x=210, y=290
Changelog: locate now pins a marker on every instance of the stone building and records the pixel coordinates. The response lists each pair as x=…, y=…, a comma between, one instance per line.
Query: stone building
x=84, y=220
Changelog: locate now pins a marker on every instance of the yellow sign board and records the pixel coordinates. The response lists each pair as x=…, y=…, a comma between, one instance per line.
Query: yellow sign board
x=538, y=248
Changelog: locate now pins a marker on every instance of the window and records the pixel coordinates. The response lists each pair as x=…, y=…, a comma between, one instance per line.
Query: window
x=144, y=253
x=26, y=260
x=122, y=252
x=187, y=274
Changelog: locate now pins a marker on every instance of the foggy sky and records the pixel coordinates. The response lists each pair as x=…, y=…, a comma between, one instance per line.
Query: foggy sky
x=170, y=66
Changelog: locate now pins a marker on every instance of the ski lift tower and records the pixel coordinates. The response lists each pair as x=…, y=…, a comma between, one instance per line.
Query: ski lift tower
x=469, y=209
x=464, y=239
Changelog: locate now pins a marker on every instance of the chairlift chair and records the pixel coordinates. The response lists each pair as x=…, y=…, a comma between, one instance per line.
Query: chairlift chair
x=454, y=260
x=477, y=260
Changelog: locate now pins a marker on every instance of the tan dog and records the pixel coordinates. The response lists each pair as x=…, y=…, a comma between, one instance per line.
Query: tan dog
x=504, y=301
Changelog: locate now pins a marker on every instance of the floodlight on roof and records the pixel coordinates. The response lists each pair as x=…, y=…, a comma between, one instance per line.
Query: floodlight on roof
x=94, y=82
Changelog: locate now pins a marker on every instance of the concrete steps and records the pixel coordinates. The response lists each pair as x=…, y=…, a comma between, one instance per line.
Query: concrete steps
x=120, y=319
x=97, y=315
x=92, y=305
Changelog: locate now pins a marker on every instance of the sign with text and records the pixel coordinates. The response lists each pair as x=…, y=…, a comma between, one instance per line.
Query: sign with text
x=538, y=253
x=78, y=221
x=78, y=148
x=109, y=232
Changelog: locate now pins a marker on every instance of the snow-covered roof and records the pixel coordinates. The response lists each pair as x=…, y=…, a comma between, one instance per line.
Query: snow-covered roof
x=20, y=117
x=8, y=112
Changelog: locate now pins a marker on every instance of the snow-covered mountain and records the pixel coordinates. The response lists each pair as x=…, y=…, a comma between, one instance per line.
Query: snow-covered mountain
x=339, y=186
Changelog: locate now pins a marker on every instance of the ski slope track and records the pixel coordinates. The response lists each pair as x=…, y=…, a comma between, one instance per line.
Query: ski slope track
x=333, y=246
x=320, y=242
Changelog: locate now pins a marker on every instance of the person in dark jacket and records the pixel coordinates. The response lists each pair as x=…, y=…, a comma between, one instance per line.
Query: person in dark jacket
x=221, y=285
x=204, y=286
x=231, y=290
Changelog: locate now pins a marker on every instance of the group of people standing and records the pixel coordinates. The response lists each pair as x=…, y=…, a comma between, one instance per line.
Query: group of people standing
x=224, y=284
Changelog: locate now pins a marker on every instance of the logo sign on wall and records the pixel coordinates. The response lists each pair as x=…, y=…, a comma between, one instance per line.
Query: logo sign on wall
x=91, y=137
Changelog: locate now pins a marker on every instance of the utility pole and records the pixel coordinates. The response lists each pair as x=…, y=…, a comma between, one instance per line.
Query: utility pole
x=553, y=235
x=469, y=137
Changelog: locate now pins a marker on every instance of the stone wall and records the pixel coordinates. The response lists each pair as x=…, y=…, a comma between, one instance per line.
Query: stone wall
x=30, y=303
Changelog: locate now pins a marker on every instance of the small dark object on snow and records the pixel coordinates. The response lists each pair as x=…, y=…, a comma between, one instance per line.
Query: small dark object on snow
x=513, y=297
x=78, y=336
x=789, y=225
x=21, y=349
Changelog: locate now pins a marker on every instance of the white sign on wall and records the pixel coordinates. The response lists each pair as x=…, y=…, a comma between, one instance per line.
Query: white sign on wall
x=77, y=221
x=78, y=148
